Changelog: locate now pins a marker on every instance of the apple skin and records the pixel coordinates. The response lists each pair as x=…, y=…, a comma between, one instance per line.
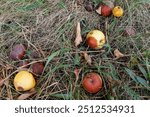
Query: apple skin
x=37, y=68
x=106, y=10
x=18, y=52
x=92, y=82
x=95, y=39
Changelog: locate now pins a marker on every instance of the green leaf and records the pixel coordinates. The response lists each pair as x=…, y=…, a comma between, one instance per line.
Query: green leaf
x=51, y=57
x=131, y=74
x=142, y=70
x=137, y=79
x=62, y=96
x=142, y=81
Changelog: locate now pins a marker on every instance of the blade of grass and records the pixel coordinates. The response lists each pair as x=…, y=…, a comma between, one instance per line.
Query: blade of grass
x=51, y=57
x=142, y=70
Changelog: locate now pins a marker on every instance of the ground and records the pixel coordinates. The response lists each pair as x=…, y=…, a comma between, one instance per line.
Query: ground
x=47, y=29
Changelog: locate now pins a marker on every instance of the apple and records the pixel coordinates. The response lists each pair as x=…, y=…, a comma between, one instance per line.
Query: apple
x=24, y=81
x=95, y=39
x=18, y=52
x=37, y=68
x=92, y=82
x=106, y=10
x=118, y=11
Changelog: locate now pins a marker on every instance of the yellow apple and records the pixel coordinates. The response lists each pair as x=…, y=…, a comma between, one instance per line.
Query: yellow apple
x=24, y=81
x=95, y=39
x=117, y=11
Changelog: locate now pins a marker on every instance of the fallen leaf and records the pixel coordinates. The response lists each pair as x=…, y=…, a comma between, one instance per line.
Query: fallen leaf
x=87, y=58
x=26, y=95
x=77, y=72
x=1, y=81
x=78, y=38
x=98, y=10
x=118, y=54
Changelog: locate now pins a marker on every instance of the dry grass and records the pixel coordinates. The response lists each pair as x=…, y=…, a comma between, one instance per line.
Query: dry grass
x=48, y=26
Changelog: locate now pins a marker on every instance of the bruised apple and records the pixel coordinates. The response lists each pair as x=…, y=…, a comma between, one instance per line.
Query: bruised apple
x=95, y=39
x=37, y=68
x=18, y=52
x=24, y=81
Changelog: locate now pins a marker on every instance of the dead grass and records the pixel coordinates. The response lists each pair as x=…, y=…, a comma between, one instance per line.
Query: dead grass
x=48, y=26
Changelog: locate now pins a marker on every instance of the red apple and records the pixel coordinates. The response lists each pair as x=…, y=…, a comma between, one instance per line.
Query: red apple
x=106, y=10
x=37, y=68
x=18, y=52
x=92, y=82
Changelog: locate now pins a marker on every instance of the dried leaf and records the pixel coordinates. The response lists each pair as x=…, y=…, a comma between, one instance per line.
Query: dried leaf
x=118, y=54
x=78, y=38
x=26, y=95
x=98, y=10
x=87, y=58
x=77, y=72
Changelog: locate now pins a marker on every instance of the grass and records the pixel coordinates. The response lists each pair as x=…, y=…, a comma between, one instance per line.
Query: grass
x=48, y=28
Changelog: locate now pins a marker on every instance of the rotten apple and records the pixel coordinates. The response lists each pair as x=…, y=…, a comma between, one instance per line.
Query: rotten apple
x=18, y=52
x=37, y=68
x=92, y=82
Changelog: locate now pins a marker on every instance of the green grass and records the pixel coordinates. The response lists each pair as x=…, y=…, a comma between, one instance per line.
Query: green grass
x=48, y=28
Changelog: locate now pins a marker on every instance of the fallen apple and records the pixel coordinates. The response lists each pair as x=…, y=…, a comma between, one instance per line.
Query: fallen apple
x=95, y=39
x=18, y=52
x=37, y=68
x=117, y=11
x=24, y=81
x=92, y=82
x=105, y=8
